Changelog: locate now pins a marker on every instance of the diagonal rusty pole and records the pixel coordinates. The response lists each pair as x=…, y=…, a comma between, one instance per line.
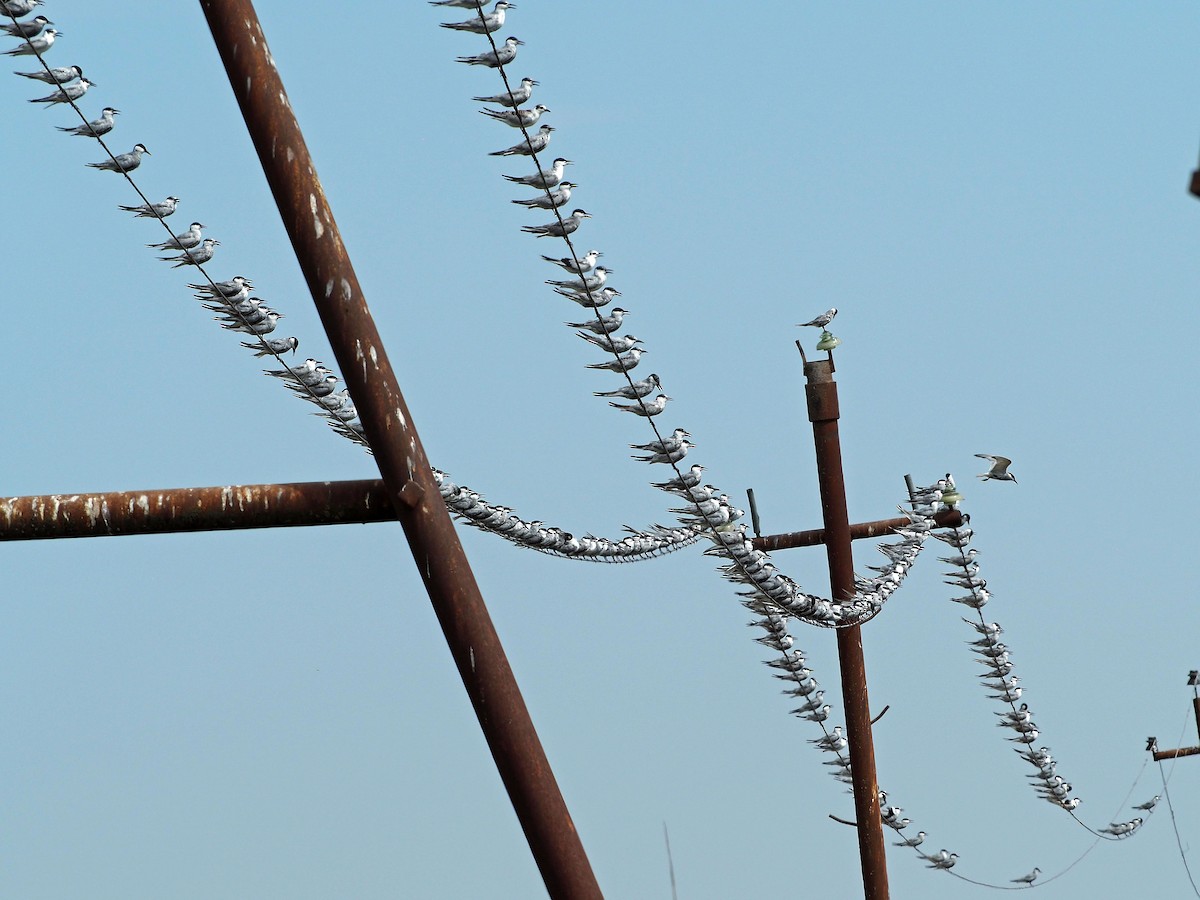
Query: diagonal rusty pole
x=821, y=393
x=388, y=426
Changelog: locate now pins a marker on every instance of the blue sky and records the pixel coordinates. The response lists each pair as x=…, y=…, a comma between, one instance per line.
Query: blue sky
x=995, y=198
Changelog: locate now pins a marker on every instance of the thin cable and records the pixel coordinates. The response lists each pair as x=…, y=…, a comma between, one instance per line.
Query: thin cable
x=1175, y=827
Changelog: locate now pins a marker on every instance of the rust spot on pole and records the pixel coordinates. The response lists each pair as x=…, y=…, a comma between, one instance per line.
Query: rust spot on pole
x=398, y=452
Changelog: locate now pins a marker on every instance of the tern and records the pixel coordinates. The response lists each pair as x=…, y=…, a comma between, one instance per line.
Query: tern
x=457, y=4
x=1028, y=879
x=553, y=200
x=55, y=76
x=626, y=362
x=517, y=118
x=66, y=93
x=486, y=23
x=35, y=46
x=558, y=229
x=585, y=264
x=686, y=481
x=230, y=288
x=603, y=325
x=999, y=470
x=159, y=210
x=636, y=391
x=586, y=283
x=519, y=94
x=264, y=327
x=677, y=439
x=195, y=256
x=501, y=56
x=123, y=162
x=610, y=343
x=822, y=320
x=185, y=241
x=1149, y=804
x=544, y=178
x=18, y=8
x=322, y=388
x=29, y=29
x=914, y=841
x=942, y=860
x=597, y=299
x=96, y=127
x=535, y=144
x=274, y=347
x=653, y=408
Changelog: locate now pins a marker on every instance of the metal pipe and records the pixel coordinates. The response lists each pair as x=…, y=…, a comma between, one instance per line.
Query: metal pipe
x=945, y=518
x=388, y=427
x=821, y=393
x=175, y=510
x=1173, y=754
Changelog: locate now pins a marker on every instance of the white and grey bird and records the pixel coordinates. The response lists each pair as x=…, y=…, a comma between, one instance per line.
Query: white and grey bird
x=184, y=241
x=685, y=482
x=322, y=388
x=1149, y=804
x=95, y=128
x=667, y=457
x=552, y=200
x=626, y=362
x=250, y=313
x=586, y=263
x=123, y=162
x=652, y=408
x=501, y=56
x=604, y=324
x=159, y=210
x=558, y=229
x=597, y=299
x=520, y=94
x=999, y=470
x=676, y=440
x=264, y=327
x=822, y=320
x=67, y=93
x=912, y=841
x=635, y=391
x=61, y=75
x=231, y=288
x=273, y=347
x=486, y=23
x=195, y=256
x=310, y=370
x=35, y=46
x=610, y=343
x=585, y=283
x=457, y=4
x=18, y=8
x=517, y=118
x=1028, y=879
x=543, y=178
x=536, y=144
x=942, y=860
x=29, y=29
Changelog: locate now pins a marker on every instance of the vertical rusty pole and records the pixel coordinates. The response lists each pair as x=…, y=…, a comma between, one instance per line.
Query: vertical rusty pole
x=402, y=463
x=821, y=392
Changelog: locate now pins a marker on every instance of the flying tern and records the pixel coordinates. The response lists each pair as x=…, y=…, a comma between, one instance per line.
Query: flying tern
x=123, y=162
x=96, y=127
x=558, y=229
x=536, y=144
x=519, y=95
x=501, y=56
x=999, y=470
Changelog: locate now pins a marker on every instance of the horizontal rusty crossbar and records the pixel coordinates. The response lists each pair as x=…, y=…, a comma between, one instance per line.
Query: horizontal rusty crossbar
x=238, y=506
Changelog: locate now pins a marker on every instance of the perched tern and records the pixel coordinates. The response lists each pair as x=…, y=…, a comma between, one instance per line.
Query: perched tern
x=586, y=283
x=35, y=46
x=603, y=325
x=822, y=320
x=159, y=210
x=185, y=241
x=95, y=128
x=29, y=29
x=123, y=162
x=517, y=118
x=55, y=76
x=536, y=144
x=195, y=256
x=67, y=93
x=635, y=391
x=519, y=95
x=18, y=8
x=596, y=299
x=558, y=229
x=553, y=200
x=1028, y=879
x=274, y=347
x=543, y=178
x=653, y=408
x=501, y=56
x=585, y=264
x=486, y=23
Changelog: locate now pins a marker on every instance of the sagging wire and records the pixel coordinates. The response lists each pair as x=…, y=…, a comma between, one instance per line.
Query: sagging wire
x=1175, y=826
x=314, y=381
x=712, y=512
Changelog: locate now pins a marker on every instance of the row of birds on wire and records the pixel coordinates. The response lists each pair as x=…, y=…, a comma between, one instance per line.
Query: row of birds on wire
x=239, y=310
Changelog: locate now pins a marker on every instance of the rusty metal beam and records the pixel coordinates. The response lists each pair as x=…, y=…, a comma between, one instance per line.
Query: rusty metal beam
x=402, y=462
x=823, y=412
x=946, y=518
x=194, y=509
